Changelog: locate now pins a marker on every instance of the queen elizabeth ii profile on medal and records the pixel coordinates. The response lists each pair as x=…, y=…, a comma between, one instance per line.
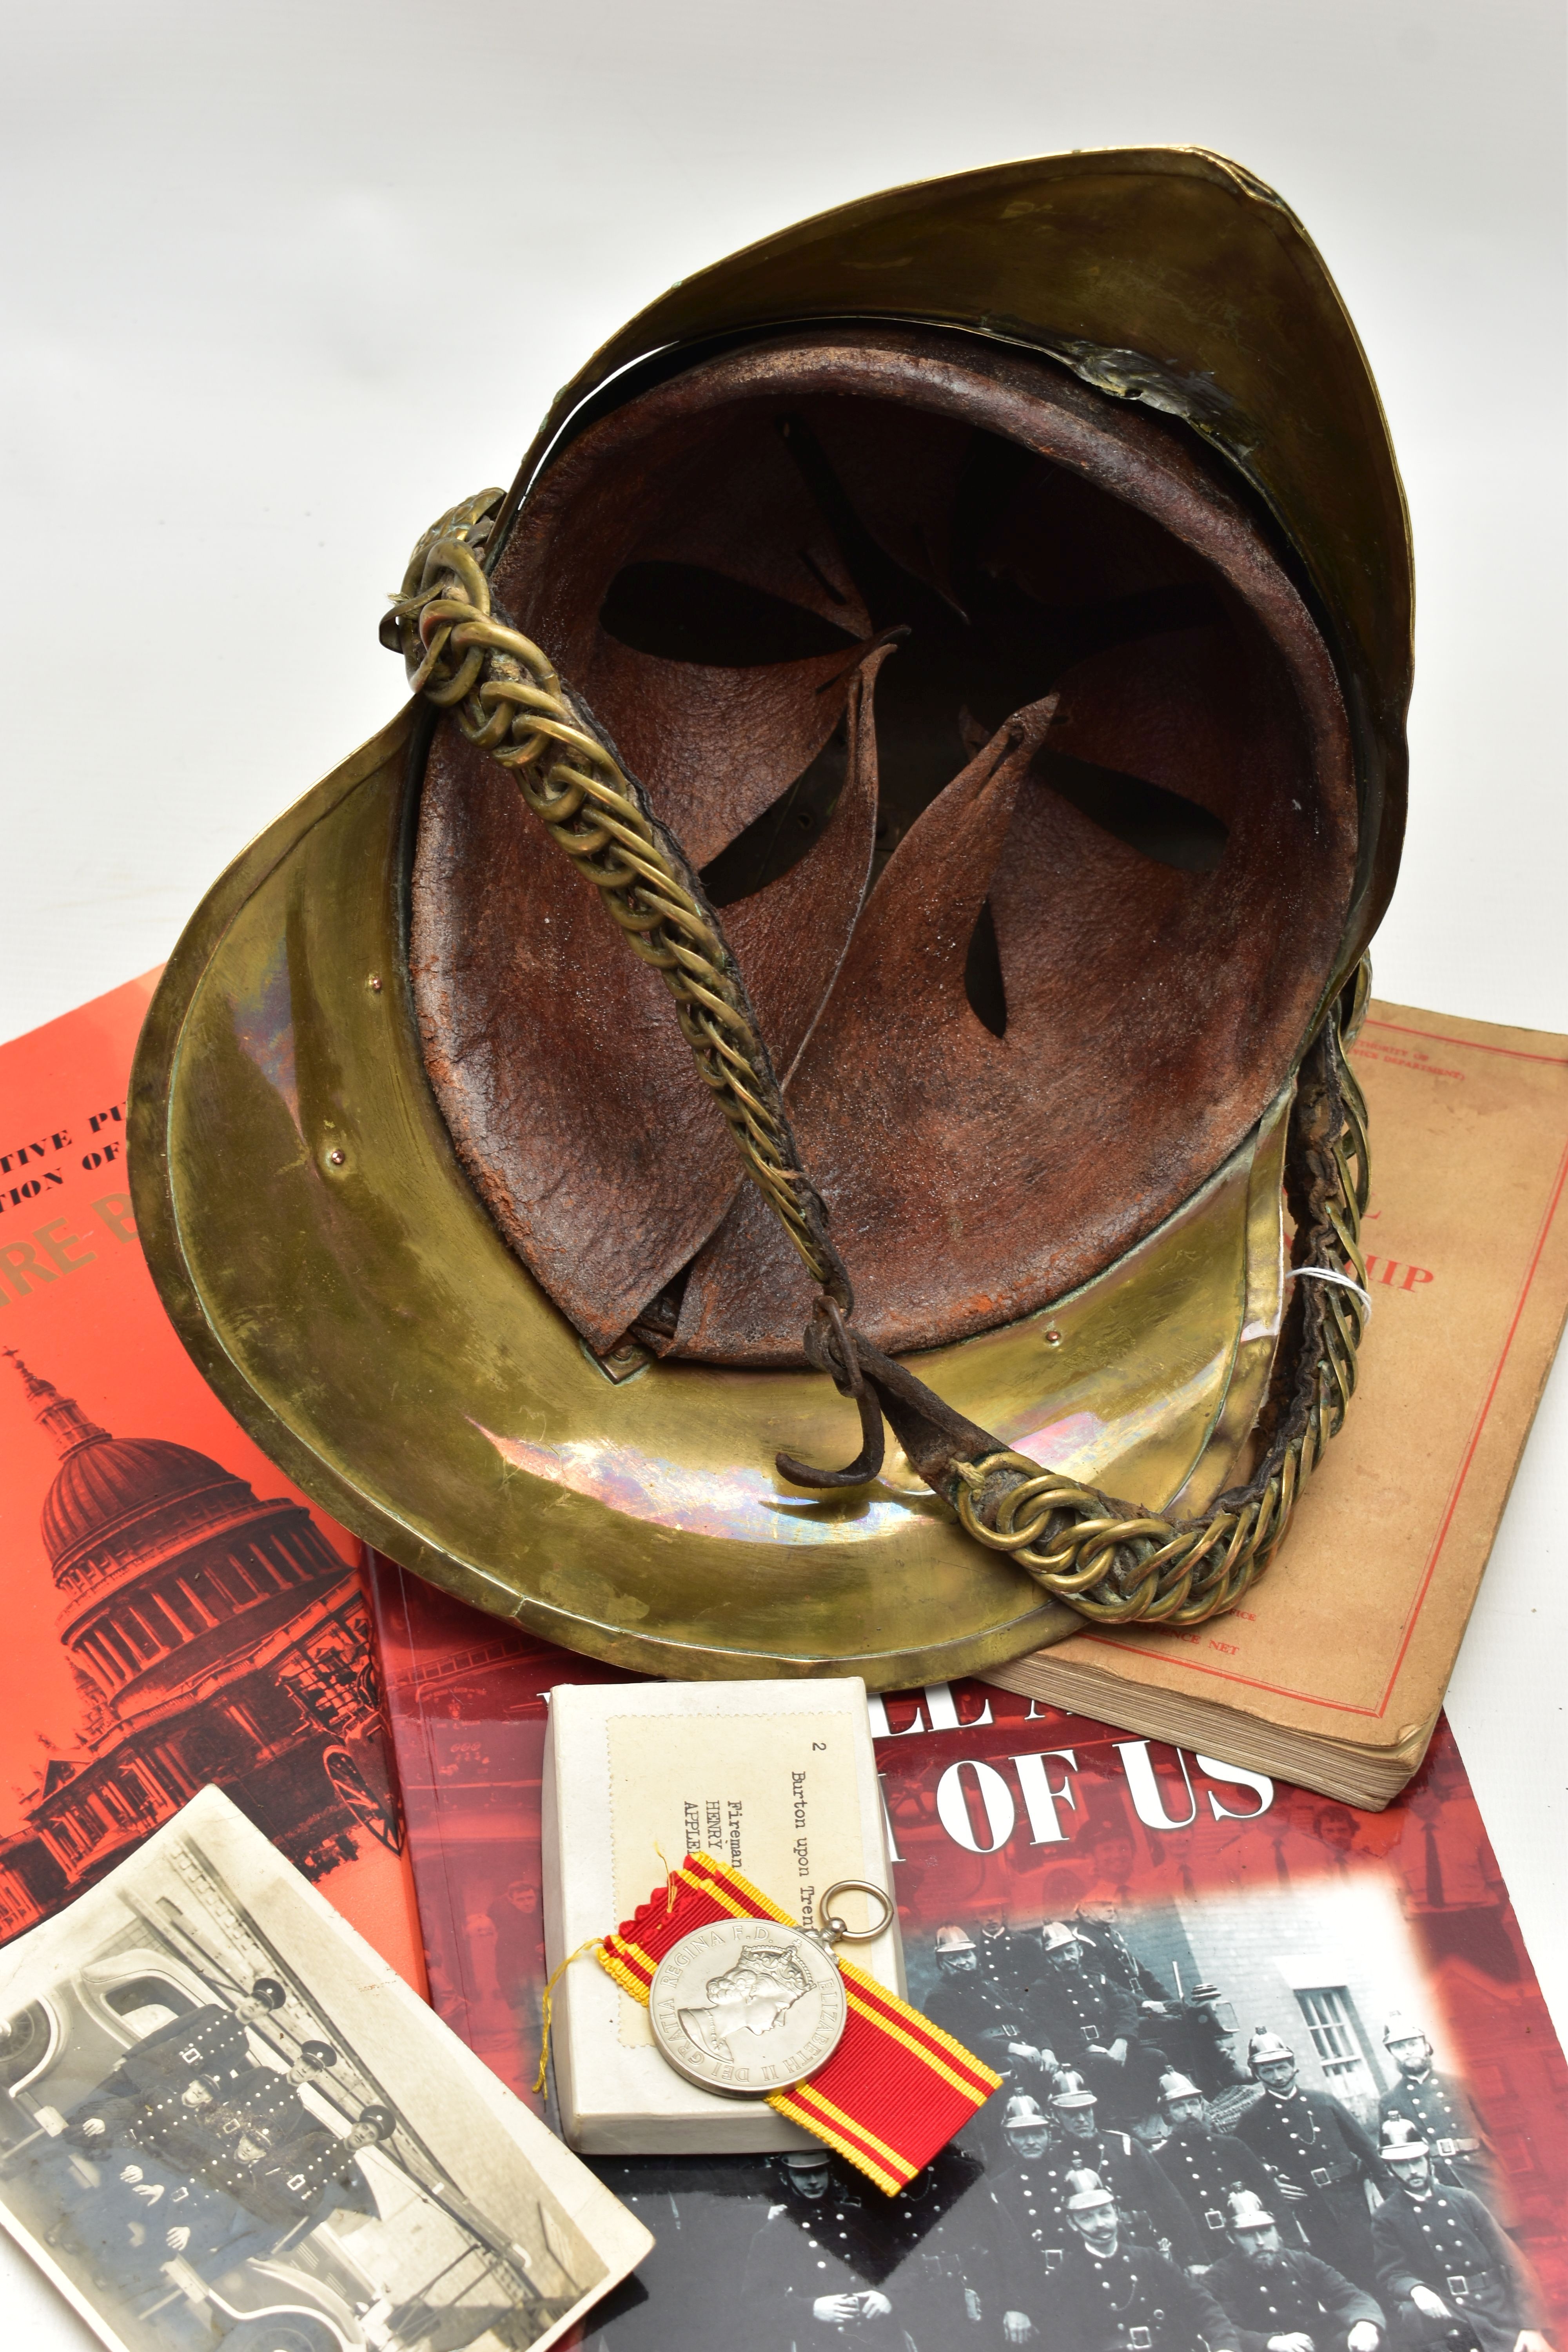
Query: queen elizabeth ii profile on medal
x=750, y=1999
x=747, y=2006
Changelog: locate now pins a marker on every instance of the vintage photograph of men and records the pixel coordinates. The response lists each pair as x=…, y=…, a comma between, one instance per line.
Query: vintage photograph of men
x=1277, y=2078
x=1164, y=2169
x=1227, y=2120
x=1277, y=2075
x=225, y=2122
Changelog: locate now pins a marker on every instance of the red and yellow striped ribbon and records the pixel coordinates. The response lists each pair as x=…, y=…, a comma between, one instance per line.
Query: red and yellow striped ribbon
x=897, y=2087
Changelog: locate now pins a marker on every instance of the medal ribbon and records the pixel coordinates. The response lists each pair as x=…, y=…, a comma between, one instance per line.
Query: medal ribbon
x=896, y=2088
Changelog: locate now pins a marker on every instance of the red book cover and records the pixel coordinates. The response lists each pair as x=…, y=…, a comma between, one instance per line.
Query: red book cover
x=176, y=1613
x=1217, y=1911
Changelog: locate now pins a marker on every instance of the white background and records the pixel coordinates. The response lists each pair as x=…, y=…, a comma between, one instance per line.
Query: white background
x=283, y=282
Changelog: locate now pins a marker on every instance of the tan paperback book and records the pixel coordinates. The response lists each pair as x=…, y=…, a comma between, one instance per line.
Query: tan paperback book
x=1332, y=1672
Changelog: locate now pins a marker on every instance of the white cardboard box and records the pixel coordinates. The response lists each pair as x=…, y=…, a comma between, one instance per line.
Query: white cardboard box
x=779, y=1780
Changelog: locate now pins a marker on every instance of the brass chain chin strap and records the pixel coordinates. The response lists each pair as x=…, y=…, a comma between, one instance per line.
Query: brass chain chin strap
x=1117, y=1565
x=1110, y=1561
x=507, y=698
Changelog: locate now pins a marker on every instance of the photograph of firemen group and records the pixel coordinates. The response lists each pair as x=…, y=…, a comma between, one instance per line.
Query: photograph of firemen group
x=1166, y=2181
x=199, y=2148
x=210, y=2189
x=211, y=2137
x=1150, y=2178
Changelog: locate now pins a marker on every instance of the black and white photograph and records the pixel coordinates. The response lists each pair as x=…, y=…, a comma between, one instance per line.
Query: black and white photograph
x=1165, y=2168
x=1270, y=2080
x=225, y=2122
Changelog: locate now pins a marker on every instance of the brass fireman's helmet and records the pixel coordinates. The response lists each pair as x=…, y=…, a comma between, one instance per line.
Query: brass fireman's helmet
x=931, y=704
x=1265, y=2048
x=1085, y=2192
x=1400, y=2141
x=1073, y=2092
x=1245, y=2209
x=1177, y=2085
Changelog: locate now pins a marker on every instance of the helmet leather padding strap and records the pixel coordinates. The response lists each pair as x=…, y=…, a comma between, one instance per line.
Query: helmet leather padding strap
x=1089, y=957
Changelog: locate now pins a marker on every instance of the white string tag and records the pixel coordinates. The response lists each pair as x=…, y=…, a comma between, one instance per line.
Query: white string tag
x=1327, y=1273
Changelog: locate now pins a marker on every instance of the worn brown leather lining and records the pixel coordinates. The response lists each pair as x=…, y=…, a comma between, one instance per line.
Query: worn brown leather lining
x=1035, y=540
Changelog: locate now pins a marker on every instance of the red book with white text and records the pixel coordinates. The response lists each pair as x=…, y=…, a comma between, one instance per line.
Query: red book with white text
x=1238, y=1904
x=176, y=1613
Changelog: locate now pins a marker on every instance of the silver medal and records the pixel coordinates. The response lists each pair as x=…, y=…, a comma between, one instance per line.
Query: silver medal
x=749, y=2006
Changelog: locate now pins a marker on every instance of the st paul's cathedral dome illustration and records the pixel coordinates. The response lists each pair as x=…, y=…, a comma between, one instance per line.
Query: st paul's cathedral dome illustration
x=215, y=1636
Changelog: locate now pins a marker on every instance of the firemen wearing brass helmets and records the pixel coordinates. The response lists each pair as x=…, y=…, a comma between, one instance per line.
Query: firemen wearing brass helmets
x=1023, y=2188
x=1152, y=2209
x=1090, y=2020
x=1281, y=2298
x=1030, y=2234
x=984, y=2014
x=1029, y=2237
x=1319, y=2154
x=1114, y=2296
x=1438, y=2108
x=1202, y=2164
x=1442, y=2260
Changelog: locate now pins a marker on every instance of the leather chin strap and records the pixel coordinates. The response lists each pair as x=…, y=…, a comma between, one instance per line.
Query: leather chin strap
x=1113, y=1560
x=934, y=1438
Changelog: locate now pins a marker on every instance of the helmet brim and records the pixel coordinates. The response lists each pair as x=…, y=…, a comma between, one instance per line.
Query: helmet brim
x=342, y=1286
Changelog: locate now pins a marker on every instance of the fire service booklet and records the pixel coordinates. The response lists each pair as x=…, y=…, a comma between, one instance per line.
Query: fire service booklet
x=176, y=1611
x=1213, y=1997
x=1334, y=1669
